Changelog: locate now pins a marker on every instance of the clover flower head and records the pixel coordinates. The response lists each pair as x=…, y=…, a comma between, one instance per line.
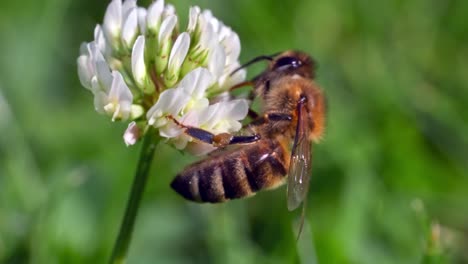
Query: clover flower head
x=143, y=67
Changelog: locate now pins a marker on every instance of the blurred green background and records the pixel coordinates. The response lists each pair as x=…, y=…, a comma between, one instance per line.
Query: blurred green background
x=390, y=181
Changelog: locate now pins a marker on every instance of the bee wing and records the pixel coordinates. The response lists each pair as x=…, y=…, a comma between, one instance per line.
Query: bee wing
x=300, y=164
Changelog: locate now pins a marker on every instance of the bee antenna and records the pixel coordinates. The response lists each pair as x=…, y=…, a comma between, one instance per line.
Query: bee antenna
x=252, y=61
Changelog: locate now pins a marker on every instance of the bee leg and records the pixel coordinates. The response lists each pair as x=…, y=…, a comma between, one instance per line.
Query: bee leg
x=244, y=139
x=219, y=140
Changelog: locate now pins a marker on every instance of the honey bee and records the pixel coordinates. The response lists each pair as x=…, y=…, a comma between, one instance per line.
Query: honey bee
x=293, y=115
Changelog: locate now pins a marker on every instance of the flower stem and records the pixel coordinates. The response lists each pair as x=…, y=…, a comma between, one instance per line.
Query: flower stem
x=148, y=147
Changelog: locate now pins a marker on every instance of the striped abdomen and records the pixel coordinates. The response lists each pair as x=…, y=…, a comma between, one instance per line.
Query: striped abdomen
x=234, y=174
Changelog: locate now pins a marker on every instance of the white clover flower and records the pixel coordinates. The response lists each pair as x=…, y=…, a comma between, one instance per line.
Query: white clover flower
x=153, y=19
x=113, y=20
x=141, y=67
x=176, y=58
x=142, y=14
x=174, y=102
x=130, y=28
x=218, y=49
x=217, y=118
x=100, y=41
x=132, y=134
x=139, y=70
x=165, y=42
x=123, y=22
x=114, y=99
x=194, y=12
x=86, y=69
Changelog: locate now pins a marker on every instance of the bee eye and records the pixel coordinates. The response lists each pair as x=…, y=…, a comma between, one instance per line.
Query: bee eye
x=287, y=62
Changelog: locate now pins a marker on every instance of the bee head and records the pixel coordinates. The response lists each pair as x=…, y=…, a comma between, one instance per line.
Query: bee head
x=286, y=63
x=294, y=62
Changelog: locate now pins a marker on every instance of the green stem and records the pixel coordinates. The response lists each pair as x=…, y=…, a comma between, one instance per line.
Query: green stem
x=148, y=147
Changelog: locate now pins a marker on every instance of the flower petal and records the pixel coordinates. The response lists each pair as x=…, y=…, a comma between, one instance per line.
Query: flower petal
x=223, y=116
x=209, y=18
x=181, y=141
x=120, y=97
x=232, y=46
x=119, y=88
x=138, y=62
x=216, y=61
x=207, y=34
x=132, y=134
x=192, y=118
x=169, y=10
x=128, y=6
x=166, y=28
x=142, y=13
x=100, y=40
x=85, y=63
x=178, y=53
x=170, y=102
x=236, y=109
x=227, y=80
x=193, y=18
x=113, y=20
x=84, y=72
x=209, y=115
x=153, y=19
x=103, y=73
x=100, y=100
x=170, y=130
x=130, y=28
x=196, y=82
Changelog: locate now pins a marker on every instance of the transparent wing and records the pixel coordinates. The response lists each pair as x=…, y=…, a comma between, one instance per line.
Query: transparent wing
x=300, y=165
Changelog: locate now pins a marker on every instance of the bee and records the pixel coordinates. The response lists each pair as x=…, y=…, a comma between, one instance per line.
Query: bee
x=293, y=117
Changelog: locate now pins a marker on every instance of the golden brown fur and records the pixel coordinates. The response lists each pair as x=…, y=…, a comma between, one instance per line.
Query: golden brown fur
x=263, y=164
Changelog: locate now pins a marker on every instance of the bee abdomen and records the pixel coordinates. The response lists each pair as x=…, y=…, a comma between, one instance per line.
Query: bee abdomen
x=238, y=175
x=200, y=184
x=214, y=182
